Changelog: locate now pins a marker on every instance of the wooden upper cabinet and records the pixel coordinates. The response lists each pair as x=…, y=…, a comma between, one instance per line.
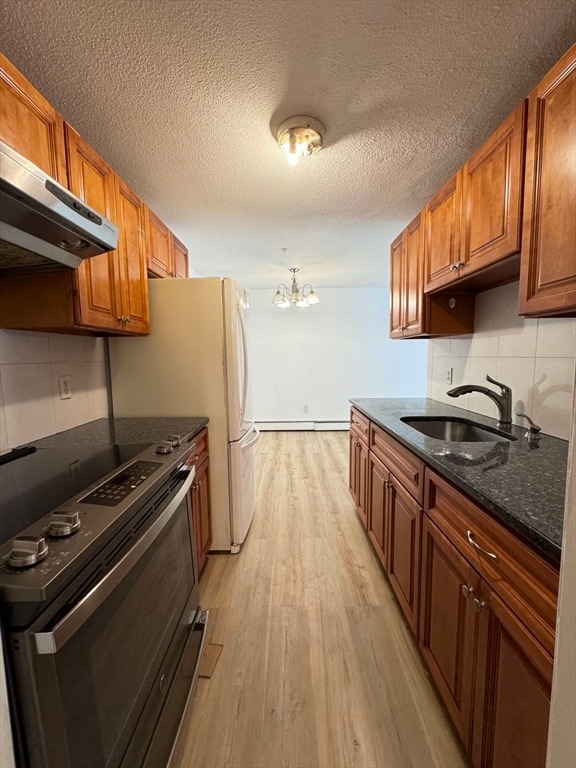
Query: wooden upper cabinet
x=158, y=246
x=397, y=299
x=442, y=242
x=412, y=312
x=548, y=262
x=492, y=200
x=30, y=124
x=167, y=256
x=132, y=260
x=98, y=302
x=406, y=282
x=179, y=254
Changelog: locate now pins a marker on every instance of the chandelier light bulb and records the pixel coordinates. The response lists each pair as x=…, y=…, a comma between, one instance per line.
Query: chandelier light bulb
x=300, y=136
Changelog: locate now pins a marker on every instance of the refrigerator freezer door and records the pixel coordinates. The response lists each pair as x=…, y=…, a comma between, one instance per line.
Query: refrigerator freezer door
x=242, y=485
x=236, y=315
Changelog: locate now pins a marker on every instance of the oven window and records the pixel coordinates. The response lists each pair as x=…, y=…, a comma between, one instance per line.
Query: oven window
x=104, y=673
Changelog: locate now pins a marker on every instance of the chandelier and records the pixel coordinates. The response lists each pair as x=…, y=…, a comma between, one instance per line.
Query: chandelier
x=294, y=295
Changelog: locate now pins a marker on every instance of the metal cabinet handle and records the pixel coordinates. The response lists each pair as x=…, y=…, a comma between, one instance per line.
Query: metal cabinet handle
x=453, y=267
x=467, y=591
x=479, y=605
x=476, y=546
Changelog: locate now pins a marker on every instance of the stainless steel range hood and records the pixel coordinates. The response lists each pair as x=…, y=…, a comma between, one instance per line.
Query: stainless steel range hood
x=42, y=224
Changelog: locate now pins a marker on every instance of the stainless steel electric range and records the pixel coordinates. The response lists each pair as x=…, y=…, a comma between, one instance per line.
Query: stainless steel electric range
x=99, y=601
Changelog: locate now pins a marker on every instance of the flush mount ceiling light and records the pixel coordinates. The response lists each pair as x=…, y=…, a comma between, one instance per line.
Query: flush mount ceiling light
x=295, y=296
x=299, y=136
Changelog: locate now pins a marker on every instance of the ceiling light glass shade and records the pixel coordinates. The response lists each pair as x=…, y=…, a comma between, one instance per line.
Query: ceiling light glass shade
x=299, y=136
x=312, y=297
x=294, y=296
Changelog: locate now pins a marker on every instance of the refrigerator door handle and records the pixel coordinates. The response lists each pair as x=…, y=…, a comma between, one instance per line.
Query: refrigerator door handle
x=245, y=355
x=254, y=439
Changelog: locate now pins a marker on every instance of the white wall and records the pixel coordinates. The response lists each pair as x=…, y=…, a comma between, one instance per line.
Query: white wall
x=323, y=355
x=562, y=734
x=535, y=357
x=30, y=366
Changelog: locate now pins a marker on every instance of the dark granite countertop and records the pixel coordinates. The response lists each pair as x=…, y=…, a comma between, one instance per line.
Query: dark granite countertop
x=522, y=487
x=125, y=431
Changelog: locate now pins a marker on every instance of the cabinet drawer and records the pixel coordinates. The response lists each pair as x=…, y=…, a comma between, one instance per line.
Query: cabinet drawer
x=359, y=424
x=201, y=451
x=526, y=582
x=402, y=463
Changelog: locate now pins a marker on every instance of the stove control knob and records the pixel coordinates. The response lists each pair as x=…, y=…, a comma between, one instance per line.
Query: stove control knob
x=164, y=447
x=27, y=550
x=174, y=440
x=63, y=524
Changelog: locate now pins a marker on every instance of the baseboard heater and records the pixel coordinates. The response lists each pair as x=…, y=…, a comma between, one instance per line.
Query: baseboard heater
x=302, y=426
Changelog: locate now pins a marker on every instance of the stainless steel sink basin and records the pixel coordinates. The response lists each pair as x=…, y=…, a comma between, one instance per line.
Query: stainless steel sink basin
x=455, y=430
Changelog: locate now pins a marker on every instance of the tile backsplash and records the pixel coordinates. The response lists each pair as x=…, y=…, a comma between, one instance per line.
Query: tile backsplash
x=30, y=368
x=535, y=357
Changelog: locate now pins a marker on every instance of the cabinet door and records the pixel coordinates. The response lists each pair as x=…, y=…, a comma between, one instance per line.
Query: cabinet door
x=132, y=260
x=414, y=278
x=548, y=261
x=378, y=485
x=202, y=513
x=449, y=624
x=404, y=531
x=158, y=246
x=98, y=298
x=354, y=461
x=397, y=287
x=362, y=501
x=179, y=258
x=492, y=196
x=443, y=225
x=513, y=694
x=30, y=124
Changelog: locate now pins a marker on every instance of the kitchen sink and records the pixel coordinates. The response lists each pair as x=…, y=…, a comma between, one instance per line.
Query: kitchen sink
x=455, y=430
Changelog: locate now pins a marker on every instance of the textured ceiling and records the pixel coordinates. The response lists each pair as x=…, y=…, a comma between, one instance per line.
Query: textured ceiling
x=180, y=97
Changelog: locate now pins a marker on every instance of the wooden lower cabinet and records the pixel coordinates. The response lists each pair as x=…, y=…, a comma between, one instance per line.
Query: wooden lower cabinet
x=449, y=624
x=378, y=484
x=359, y=475
x=404, y=534
x=202, y=514
x=200, y=498
x=485, y=627
x=514, y=680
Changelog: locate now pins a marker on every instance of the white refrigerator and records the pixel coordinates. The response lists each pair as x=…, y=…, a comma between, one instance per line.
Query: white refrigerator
x=195, y=363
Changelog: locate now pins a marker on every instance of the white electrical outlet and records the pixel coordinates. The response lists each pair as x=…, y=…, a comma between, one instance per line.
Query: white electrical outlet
x=65, y=387
x=449, y=375
x=305, y=408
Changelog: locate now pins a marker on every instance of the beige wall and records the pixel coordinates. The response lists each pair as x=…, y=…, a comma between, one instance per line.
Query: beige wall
x=30, y=367
x=535, y=357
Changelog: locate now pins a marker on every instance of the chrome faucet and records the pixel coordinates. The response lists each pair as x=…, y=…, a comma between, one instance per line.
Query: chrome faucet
x=503, y=400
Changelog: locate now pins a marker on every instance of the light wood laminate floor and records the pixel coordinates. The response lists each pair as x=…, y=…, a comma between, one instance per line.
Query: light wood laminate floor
x=318, y=668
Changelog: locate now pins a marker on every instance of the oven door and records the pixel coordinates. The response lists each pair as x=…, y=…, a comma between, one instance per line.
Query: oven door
x=99, y=684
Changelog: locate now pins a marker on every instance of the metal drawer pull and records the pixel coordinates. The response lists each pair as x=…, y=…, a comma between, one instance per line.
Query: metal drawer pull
x=479, y=605
x=483, y=551
x=467, y=591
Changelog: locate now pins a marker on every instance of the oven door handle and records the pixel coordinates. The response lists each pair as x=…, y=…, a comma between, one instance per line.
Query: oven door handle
x=52, y=642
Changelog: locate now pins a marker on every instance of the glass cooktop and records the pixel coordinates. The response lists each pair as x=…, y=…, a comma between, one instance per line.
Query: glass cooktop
x=36, y=484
